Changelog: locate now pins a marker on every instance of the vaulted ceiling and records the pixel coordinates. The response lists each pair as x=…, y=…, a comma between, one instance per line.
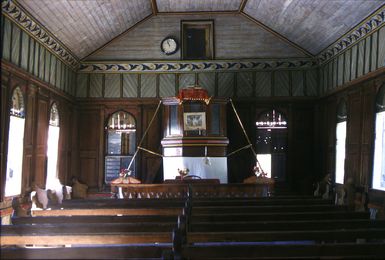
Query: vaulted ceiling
x=85, y=26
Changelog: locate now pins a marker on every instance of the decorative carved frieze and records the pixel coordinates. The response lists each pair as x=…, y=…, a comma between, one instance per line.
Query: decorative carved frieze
x=368, y=27
x=20, y=17
x=176, y=66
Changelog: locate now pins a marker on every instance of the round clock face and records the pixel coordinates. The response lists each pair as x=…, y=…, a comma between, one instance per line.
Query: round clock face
x=169, y=46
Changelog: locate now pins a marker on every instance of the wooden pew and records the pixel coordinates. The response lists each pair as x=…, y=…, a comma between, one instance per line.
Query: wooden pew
x=286, y=251
x=89, y=252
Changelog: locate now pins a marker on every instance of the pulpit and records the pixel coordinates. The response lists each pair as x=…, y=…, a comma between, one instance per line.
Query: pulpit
x=195, y=135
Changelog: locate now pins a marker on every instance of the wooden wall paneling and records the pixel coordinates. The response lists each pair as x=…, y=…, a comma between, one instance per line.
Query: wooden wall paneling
x=89, y=138
x=52, y=70
x=24, y=50
x=96, y=84
x=47, y=66
x=42, y=62
x=373, y=51
x=240, y=165
x=226, y=84
x=281, y=83
x=245, y=84
x=263, y=83
x=7, y=35
x=4, y=122
x=148, y=86
x=186, y=80
x=101, y=150
x=312, y=82
x=353, y=137
x=330, y=122
x=347, y=66
x=367, y=55
x=368, y=115
x=81, y=85
x=361, y=58
x=301, y=147
x=30, y=136
x=340, y=64
x=297, y=82
x=335, y=73
x=381, y=48
x=353, y=64
x=36, y=59
x=130, y=85
x=112, y=86
x=31, y=55
x=151, y=169
x=167, y=85
x=42, y=120
x=15, y=45
x=207, y=81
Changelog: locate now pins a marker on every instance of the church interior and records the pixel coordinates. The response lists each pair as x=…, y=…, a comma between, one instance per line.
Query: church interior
x=192, y=129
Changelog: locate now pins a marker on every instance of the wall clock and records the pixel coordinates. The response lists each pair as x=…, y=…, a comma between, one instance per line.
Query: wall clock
x=169, y=45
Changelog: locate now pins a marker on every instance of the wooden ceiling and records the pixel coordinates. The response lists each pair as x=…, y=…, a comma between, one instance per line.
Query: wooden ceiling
x=84, y=26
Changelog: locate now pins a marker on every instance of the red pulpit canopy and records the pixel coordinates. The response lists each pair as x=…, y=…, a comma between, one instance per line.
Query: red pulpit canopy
x=194, y=93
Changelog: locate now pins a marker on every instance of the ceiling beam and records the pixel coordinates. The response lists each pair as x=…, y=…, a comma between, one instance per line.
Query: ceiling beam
x=242, y=6
x=198, y=13
x=277, y=35
x=117, y=37
x=154, y=7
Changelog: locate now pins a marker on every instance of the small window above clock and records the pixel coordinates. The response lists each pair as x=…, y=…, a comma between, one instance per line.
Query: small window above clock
x=197, y=40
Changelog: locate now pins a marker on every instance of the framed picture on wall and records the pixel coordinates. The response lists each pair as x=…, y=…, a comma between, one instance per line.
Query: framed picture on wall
x=194, y=121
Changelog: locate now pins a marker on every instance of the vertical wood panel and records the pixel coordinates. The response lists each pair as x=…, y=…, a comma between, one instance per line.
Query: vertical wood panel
x=335, y=73
x=311, y=82
x=340, y=70
x=47, y=66
x=24, y=50
x=347, y=66
x=326, y=74
x=281, y=83
x=96, y=82
x=226, y=84
x=36, y=60
x=167, y=85
x=41, y=141
x=373, y=63
x=367, y=55
x=381, y=47
x=263, y=84
x=15, y=56
x=58, y=73
x=330, y=75
x=207, y=81
x=186, y=80
x=41, y=62
x=245, y=84
x=130, y=85
x=353, y=68
x=148, y=85
x=81, y=85
x=31, y=57
x=7, y=40
x=321, y=77
x=360, y=59
x=52, y=70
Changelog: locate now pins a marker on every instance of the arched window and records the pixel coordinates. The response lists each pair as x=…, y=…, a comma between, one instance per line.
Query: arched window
x=340, y=142
x=15, y=144
x=53, y=148
x=120, y=145
x=272, y=143
x=378, y=181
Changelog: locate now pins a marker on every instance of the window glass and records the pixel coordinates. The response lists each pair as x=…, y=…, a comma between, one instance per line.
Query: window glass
x=272, y=144
x=340, y=142
x=53, y=149
x=379, y=153
x=121, y=144
x=15, y=145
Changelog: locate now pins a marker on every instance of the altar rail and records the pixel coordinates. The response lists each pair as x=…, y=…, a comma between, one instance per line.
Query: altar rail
x=196, y=190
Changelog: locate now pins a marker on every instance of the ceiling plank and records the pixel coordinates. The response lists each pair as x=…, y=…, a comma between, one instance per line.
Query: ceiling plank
x=278, y=35
x=119, y=36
